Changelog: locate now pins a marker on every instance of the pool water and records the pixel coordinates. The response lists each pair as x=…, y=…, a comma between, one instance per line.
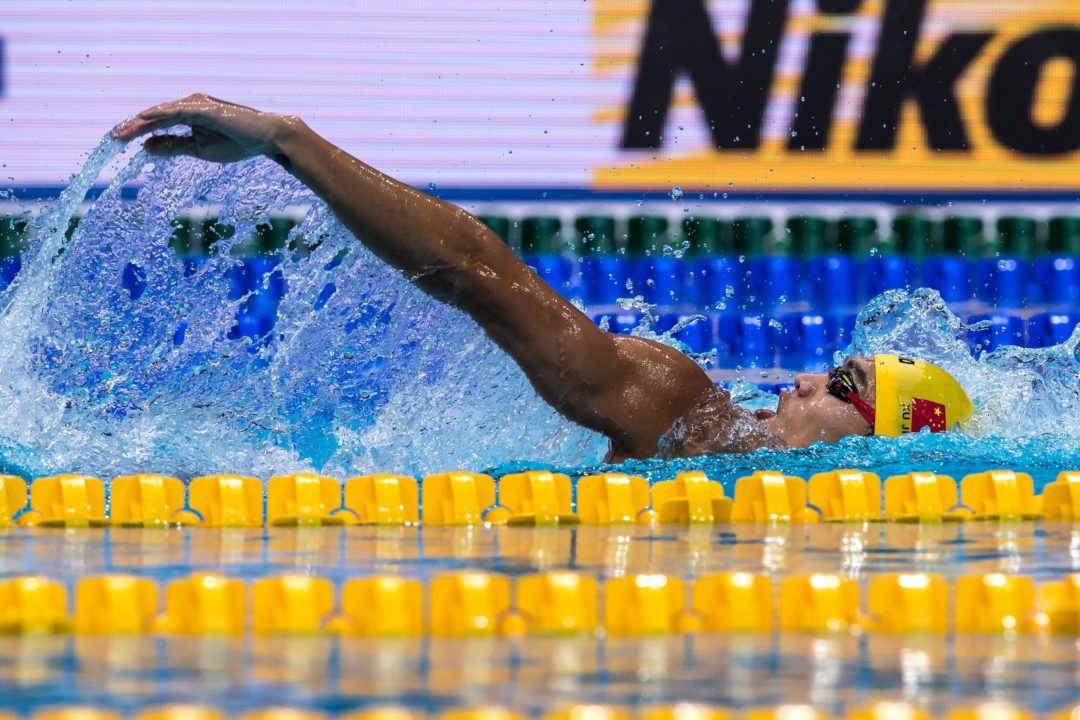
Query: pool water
x=835, y=672
x=364, y=373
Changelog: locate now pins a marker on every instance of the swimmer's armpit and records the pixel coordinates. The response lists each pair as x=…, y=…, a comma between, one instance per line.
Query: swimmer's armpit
x=283, y=160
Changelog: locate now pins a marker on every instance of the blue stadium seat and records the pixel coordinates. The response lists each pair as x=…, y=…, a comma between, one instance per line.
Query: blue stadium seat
x=1051, y=328
x=603, y=279
x=756, y=342
x=949, y=275
x=133, y=279
x=697, y=336
x=715, y=279
x=248, y=325
x=1004, y=330
x=725, y=337
x=1002, y=281
x=239, y=277
x=661, y=280
x=1058, y=269
x=887, y=272
x=267, y=289
x=807, y=341
x=1059, y=281
x=770, y=281
x=9, y=268
x=620, y=323
x=772, y=388
x=845, y=326
x=833, y=282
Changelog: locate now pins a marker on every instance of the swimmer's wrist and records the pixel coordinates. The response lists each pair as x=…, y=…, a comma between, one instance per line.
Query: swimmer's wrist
x=288, y=131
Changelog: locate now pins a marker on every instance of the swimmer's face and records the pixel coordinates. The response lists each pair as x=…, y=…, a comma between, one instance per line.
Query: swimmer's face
x=809, y=413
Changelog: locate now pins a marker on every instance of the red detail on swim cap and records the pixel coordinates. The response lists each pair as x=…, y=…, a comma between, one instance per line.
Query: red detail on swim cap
x=927, y=413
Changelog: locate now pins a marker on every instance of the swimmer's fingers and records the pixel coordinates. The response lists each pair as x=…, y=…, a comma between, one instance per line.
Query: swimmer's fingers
x=136, y=126
x=150, y=120
x=170, y=145
x=201, y=143
x=195, y=110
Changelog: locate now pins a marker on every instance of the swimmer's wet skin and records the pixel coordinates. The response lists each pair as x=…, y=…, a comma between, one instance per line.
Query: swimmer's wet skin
x=647, y=398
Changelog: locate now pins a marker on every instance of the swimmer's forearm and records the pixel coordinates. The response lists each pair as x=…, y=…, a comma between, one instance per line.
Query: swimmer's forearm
x=433, y=241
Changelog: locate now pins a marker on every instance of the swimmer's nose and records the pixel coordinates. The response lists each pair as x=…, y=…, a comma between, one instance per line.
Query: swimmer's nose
x=806, y=384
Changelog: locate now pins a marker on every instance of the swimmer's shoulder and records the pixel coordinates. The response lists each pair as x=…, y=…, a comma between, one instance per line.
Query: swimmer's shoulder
x=656, y=384
x=714, y=424
x=673, y=379
x=695, y=416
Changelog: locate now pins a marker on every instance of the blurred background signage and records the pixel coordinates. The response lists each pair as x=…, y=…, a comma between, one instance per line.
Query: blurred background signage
x=808, y=96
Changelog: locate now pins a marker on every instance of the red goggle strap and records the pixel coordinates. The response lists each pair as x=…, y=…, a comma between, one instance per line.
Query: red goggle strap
x=863, y=407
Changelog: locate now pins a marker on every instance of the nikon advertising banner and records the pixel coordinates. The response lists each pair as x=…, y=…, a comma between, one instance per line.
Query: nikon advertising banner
x=845, y=94
x=493, y=98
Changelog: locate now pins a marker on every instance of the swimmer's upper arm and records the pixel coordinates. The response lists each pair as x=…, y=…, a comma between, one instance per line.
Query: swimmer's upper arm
x=628, y=388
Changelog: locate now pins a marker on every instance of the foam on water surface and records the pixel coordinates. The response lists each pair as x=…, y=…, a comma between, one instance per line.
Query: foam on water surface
x=364, y=372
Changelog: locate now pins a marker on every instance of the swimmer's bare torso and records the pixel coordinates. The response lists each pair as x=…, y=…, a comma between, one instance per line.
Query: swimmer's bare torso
x=634, y=391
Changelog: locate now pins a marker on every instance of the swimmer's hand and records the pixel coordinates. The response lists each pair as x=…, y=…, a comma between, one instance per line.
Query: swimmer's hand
x=221, y=131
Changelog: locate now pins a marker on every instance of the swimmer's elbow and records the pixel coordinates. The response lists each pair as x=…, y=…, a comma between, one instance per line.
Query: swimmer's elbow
x=473, y=262
x=455, y=265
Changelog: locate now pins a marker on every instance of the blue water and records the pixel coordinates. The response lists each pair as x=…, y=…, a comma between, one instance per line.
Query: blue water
x=835, y=672
x=363, y=372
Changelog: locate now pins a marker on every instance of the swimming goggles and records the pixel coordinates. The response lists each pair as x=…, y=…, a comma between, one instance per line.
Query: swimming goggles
x=841, y=386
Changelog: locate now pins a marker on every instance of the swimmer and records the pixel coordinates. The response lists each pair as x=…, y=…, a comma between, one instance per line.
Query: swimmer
x=647, y=398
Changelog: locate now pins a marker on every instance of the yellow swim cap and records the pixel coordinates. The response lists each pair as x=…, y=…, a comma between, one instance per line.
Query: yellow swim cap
x=913, y=394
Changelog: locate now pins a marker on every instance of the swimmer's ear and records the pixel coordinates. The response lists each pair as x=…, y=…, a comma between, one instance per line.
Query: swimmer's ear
x=764, y=414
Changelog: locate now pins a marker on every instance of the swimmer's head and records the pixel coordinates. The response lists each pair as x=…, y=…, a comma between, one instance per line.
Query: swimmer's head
x=885, y=395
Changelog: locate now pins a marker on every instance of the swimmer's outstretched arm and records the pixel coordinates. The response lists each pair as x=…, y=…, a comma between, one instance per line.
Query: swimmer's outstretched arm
x=630, y=389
